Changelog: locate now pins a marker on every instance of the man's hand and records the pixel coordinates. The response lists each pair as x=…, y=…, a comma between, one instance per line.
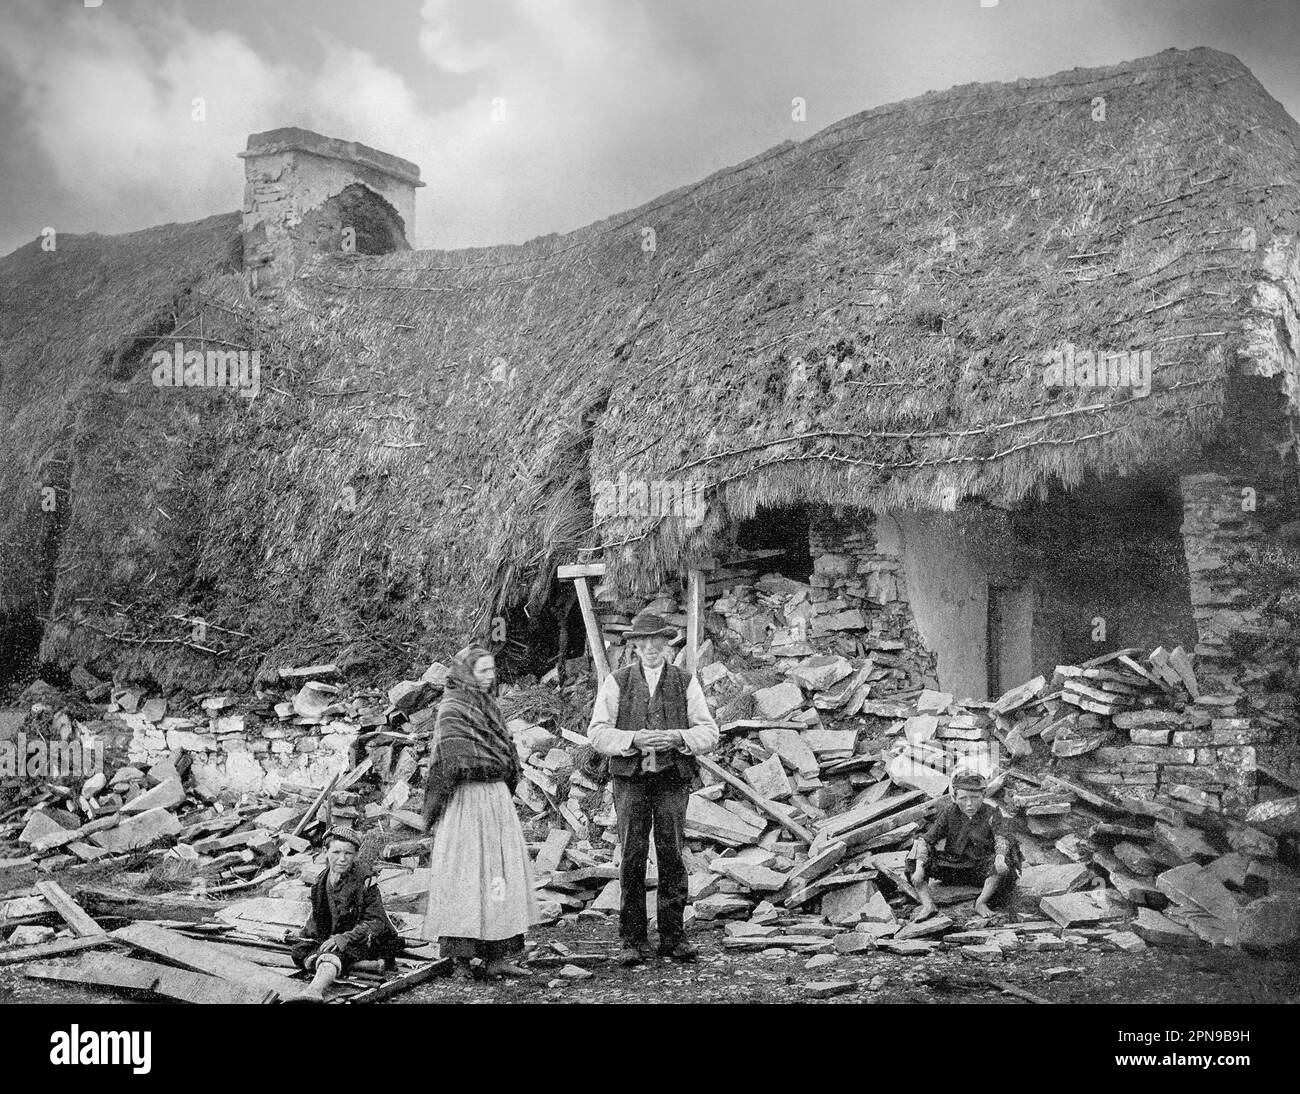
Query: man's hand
x=647, y=739
x=1000, y=864
x=333, y=944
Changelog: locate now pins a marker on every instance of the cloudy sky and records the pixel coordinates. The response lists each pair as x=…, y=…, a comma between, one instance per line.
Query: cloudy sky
x=607, y=103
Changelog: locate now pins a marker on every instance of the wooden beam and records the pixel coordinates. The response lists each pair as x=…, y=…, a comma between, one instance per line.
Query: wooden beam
x=190, y=953
x=17, y=955
x=594, y=638
x=69, y=909
x=581, y=569
x=362, y=769
x=315, y=807
x=694, y=599
x=755, y=797
x=113, y=970
x=110, y=902
x=399, y=984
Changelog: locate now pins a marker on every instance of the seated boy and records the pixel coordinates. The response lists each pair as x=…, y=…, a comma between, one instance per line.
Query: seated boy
x=975, y=849
x=348, y=922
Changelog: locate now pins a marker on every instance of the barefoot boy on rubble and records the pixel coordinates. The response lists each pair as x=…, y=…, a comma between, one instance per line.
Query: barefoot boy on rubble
x=348, y=922
x=975, y=849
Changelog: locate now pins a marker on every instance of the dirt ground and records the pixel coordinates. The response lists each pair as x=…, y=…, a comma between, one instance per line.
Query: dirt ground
x=723, y=976
x=1154, y=975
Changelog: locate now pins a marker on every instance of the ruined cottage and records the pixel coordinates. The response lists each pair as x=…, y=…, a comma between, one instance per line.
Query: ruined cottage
x=1019, y=359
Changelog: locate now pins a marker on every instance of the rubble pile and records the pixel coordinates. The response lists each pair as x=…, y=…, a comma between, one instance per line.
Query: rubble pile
x=1122, y=781
x=838, y=748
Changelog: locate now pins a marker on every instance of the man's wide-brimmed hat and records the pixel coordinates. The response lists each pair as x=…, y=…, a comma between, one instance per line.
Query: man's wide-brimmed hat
x=648, y=625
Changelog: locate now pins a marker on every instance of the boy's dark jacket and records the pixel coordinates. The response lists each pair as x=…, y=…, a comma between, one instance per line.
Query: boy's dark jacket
x=361, y=909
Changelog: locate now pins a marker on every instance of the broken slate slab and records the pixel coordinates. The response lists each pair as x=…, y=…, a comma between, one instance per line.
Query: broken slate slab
x=777, y=701
x=1041, y=881
x=721, y=906
x=736, y=929
x=166, y=795
x=1187, y=844
x=769, y=779
x=791, y=747
x=933, y=702
x=845, y=904
x=756, y=879
x=1199, y=887
x=1135, y=859
x=987, y=954
x=1159, y=930
x=821, y=961
x=935, y=925
x=1270, y=925
x=819, y=672
x=40, y=825
x=854, y=942
x=1093, y=906
x=1277, y=817
x=1126, y=941
x=139, y=830
x=910, y=947
x=905, y=770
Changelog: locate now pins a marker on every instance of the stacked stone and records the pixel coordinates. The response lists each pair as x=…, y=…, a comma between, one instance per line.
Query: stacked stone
x=851, y=569
x=240, y=751
x=1248, y=657
x=1203, y=755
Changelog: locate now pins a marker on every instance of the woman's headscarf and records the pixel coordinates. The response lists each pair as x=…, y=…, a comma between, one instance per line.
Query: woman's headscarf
x=471, y=741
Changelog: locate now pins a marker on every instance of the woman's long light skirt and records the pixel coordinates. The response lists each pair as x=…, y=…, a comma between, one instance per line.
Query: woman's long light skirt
x=481, y=879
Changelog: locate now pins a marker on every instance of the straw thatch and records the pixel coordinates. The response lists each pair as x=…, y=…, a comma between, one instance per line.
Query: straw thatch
x=72, y=320
x=919, y=258
x=428, y=448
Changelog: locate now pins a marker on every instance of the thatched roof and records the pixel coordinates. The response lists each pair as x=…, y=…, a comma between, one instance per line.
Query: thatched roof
x=932, y=250
x=71, y=321
x=921, y=258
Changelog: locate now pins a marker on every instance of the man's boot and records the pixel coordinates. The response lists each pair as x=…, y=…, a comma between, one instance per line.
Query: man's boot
x=680, y=951
x=633, y=953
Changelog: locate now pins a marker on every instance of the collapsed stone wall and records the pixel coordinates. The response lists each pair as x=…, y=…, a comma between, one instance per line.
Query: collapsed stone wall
x=240, y=752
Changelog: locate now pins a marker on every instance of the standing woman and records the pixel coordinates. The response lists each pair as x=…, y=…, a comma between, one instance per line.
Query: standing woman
x=481, y=899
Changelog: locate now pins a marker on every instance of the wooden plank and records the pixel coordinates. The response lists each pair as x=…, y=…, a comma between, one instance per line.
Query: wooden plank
x=846, y=822
x=857, y=837
x=190, y=953
x=315, y=807
x=399, y=984
x=408, y=818
x=113, y=970
x=69, y=909
x=362, y=769
x=694, y=600
x=594, y=638
x=581, y=569
x=144, y=906
x=17, y=955
x=749, y=792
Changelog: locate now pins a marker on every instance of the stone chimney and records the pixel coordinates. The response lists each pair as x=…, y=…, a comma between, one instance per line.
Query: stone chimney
x=306, y=194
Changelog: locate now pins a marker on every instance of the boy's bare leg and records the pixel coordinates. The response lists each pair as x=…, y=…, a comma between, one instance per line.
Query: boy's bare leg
x=328, y=968
x=991, y=885
x=921, y=883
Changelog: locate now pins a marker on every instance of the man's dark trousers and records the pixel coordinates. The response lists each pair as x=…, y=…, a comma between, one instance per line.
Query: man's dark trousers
x=658, y=799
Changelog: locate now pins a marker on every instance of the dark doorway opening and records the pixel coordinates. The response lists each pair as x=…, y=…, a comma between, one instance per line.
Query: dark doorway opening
x=783, y=530
x=20, y=644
